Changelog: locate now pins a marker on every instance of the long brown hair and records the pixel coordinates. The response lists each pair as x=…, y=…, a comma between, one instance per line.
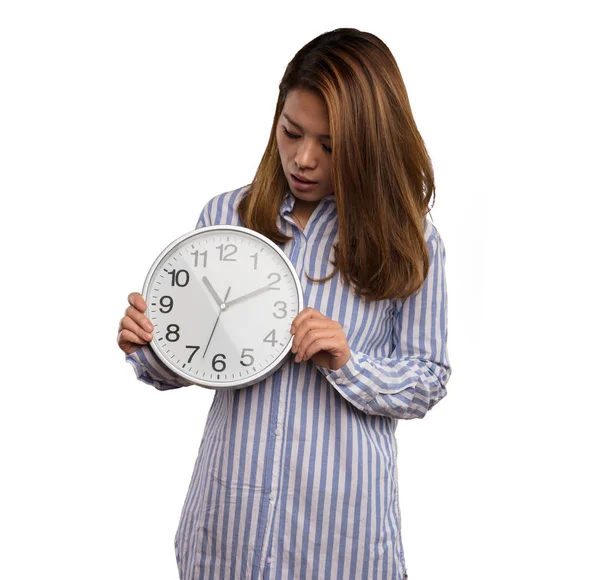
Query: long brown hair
x=382, y=174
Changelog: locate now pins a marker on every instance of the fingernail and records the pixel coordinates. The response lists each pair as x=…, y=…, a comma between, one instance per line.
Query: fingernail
x=149, y=326
x=292, y=329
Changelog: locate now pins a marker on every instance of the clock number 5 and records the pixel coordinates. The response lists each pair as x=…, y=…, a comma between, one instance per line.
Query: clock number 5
x=247, y=356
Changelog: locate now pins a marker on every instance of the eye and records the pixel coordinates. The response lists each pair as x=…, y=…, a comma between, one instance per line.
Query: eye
x=294, y=136
x=290, y=135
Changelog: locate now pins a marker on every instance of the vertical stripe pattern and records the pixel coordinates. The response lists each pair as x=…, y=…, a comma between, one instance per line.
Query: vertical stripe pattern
x=296, y=476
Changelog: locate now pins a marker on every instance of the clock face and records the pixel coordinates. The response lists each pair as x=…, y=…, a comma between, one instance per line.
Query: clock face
x=222, y=300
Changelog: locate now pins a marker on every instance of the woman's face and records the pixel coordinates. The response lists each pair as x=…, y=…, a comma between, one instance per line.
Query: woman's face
x=304, y=145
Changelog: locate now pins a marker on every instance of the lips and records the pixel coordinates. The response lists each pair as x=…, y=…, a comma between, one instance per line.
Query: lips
x=303, y=180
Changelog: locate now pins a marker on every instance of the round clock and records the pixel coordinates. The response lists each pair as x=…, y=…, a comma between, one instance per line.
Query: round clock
x=222, y=300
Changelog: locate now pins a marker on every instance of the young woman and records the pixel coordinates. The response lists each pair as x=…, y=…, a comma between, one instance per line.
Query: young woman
x=296, y=476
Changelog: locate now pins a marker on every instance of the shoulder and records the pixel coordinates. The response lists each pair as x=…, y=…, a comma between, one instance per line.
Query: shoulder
x=222, y=208
x=433, y=238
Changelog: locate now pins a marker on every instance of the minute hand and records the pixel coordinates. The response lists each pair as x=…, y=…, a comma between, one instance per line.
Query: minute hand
x=254, y=293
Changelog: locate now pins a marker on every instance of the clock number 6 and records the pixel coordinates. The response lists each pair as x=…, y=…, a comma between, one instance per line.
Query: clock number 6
x=216, y=361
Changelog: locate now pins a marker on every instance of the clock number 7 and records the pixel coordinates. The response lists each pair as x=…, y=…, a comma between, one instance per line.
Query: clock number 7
x=195, y=351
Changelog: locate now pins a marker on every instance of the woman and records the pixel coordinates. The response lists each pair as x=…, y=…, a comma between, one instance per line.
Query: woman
x=296, y=476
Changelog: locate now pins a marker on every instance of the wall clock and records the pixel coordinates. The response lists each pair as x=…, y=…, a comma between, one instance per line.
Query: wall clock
x=222, y=300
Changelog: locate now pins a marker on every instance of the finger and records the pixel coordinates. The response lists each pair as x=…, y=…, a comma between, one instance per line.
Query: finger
x=127, y=323
x=311, y=324
x=305, y=314
x=317, y=340
x=140, y=318
x=126, y=339
x=137, y=301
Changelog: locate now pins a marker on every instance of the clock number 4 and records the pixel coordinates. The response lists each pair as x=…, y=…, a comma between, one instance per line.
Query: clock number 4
x=272, y=340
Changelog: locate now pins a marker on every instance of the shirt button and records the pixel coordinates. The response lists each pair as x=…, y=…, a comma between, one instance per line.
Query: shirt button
x=268, y=560
x=278, y=432
x=339, y=381
x=272, y=496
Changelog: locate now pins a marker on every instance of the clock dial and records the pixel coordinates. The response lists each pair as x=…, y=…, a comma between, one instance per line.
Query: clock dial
x=222, y=299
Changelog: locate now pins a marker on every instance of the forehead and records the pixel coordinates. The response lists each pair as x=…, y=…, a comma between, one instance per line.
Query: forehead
x=307, y=109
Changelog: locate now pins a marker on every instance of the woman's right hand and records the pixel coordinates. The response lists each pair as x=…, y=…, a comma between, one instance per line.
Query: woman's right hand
x=135, y=328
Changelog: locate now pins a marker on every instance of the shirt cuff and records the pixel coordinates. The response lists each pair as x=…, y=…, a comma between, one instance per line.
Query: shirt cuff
x=347, y=380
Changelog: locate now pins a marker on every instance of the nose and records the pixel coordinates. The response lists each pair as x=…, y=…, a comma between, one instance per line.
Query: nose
x=306, y=155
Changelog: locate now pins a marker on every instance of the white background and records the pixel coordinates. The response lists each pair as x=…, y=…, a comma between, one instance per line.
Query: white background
x=120, y=119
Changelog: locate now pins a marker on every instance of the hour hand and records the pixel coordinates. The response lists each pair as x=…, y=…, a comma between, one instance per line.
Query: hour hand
x=212, y=290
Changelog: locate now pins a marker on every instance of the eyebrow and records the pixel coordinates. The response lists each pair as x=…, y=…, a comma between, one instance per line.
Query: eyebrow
x=300, y=127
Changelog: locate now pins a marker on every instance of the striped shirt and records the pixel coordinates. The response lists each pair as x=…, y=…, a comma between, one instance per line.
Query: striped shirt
x=296, y=476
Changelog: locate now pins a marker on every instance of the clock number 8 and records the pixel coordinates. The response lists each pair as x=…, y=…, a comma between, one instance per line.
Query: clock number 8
x=174, y=332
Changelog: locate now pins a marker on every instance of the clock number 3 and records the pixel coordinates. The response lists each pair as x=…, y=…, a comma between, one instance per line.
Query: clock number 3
x=282, y=308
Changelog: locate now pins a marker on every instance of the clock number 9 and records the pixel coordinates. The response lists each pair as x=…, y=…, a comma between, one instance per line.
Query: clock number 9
x=175, y=277
x=169, y=304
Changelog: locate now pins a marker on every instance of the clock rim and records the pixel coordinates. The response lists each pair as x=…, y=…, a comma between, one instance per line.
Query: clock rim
x=247, y=381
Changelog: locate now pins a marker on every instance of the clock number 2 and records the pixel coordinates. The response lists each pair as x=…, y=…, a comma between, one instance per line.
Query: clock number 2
x=271, y=283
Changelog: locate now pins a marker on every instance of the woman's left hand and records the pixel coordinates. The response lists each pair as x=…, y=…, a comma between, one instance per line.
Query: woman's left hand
x=319, y=338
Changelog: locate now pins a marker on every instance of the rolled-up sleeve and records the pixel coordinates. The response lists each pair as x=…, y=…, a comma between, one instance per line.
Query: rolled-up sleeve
x=413, y=379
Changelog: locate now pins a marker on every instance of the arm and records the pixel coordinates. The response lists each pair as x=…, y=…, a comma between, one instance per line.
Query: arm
x=413, y=379
x=148, y=367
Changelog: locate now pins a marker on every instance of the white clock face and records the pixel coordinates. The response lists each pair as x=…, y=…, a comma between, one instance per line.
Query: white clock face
x=222, y=299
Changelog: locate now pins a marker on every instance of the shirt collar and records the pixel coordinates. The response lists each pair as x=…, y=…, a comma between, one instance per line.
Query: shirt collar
x=287, y=205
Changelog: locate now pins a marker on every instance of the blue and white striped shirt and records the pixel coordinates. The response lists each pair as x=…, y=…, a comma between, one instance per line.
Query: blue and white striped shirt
x=296, y=476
